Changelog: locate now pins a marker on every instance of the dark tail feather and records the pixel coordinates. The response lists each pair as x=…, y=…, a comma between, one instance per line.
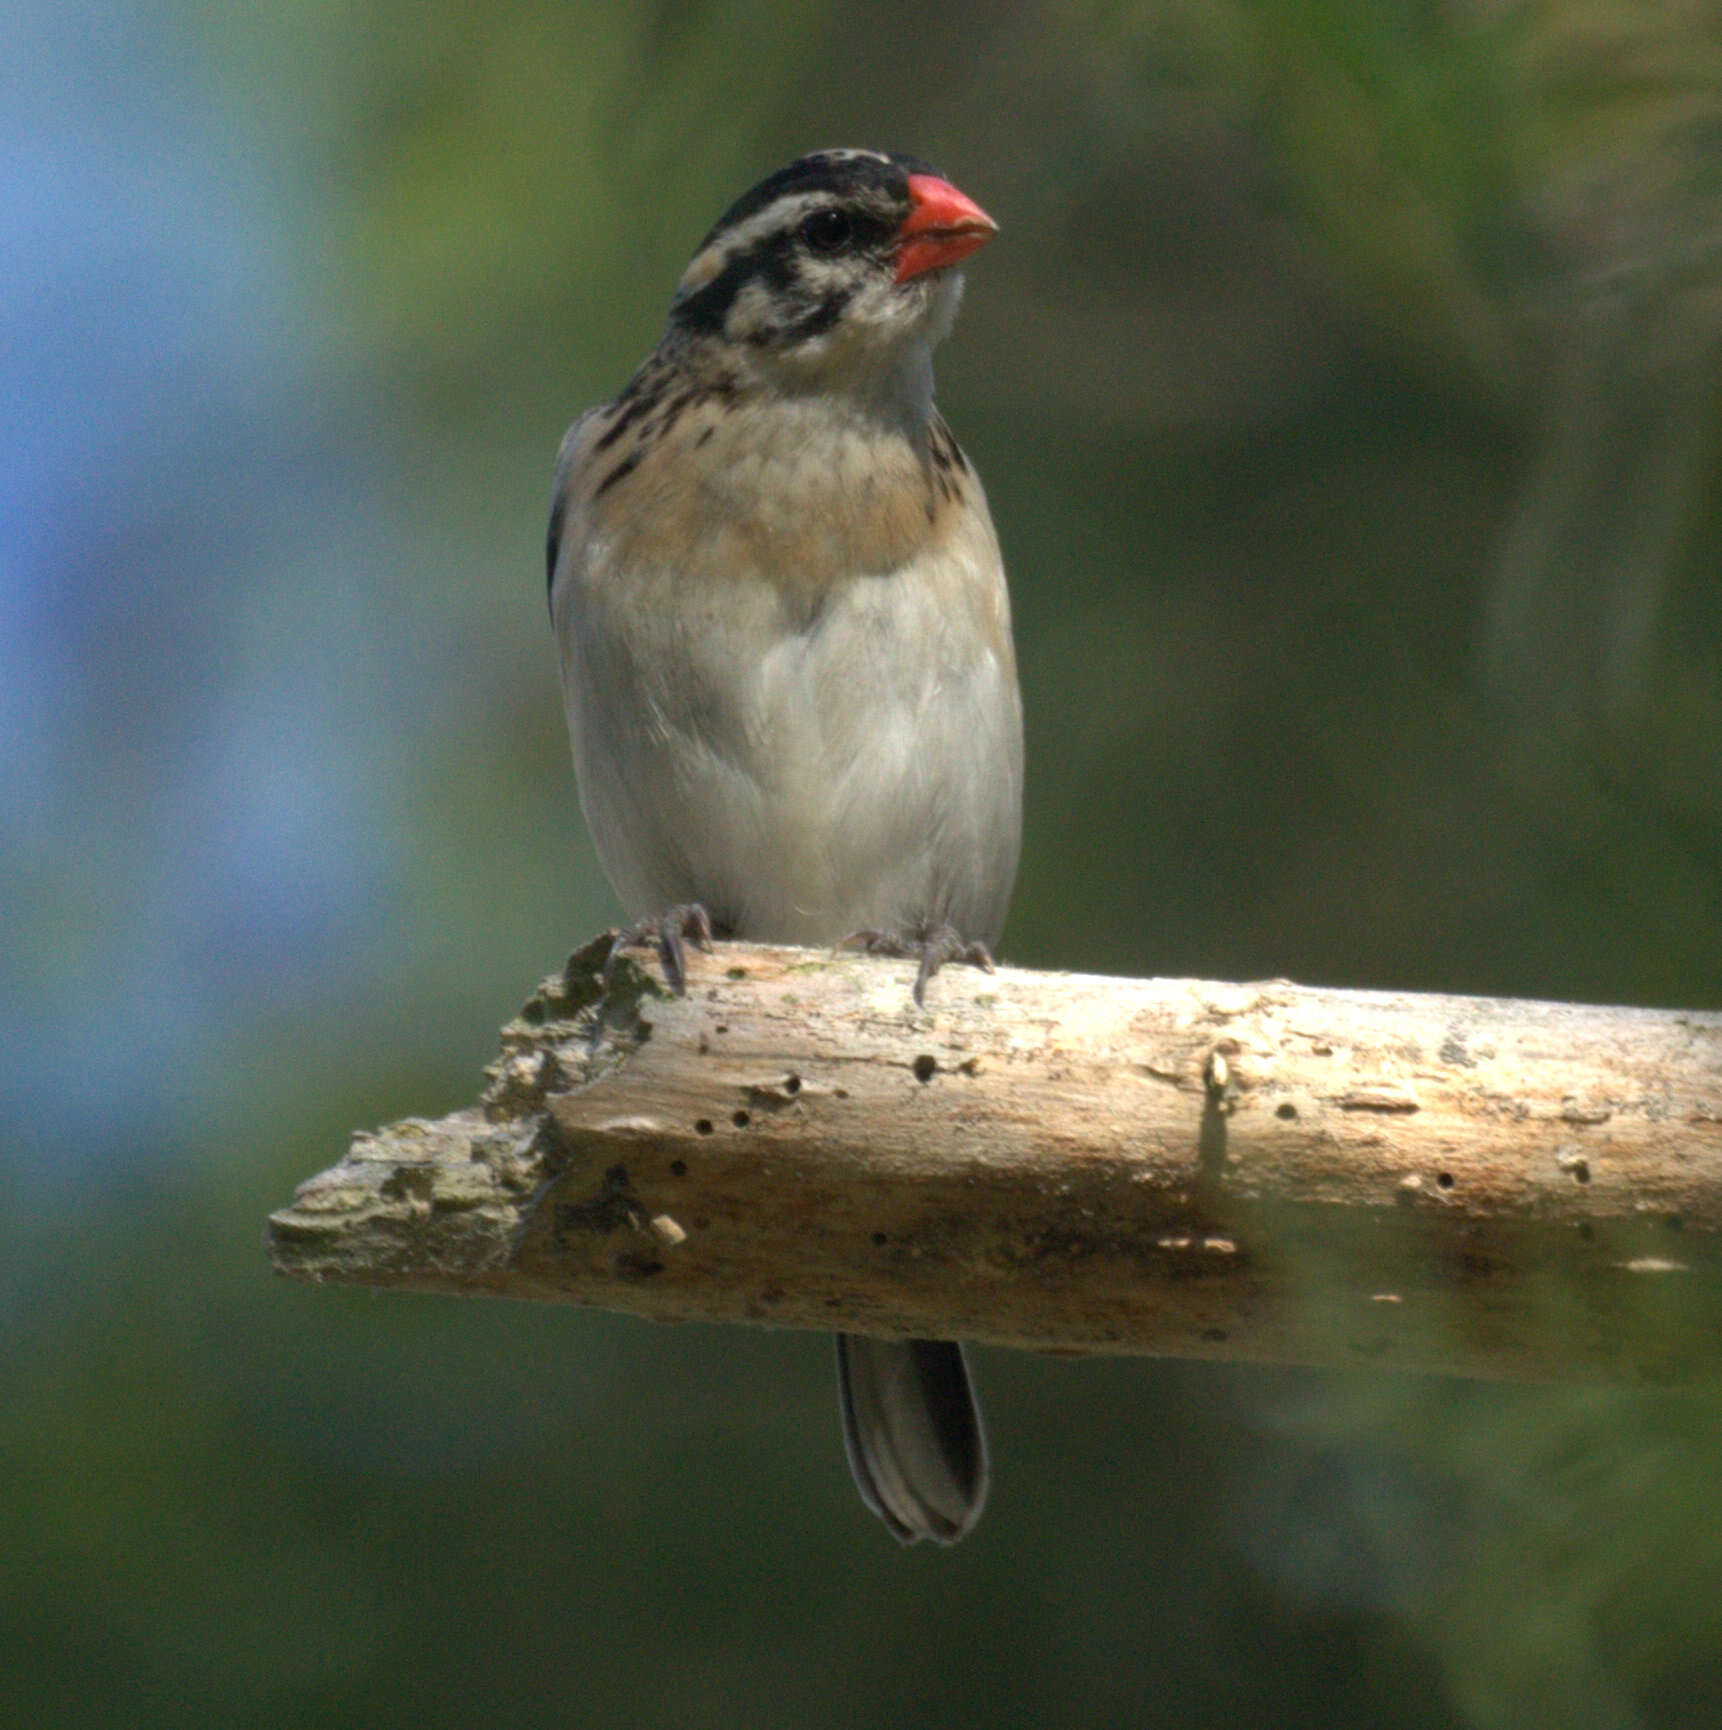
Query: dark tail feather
x=913, y=1433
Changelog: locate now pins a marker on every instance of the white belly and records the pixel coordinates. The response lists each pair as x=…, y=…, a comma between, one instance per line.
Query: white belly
x=802, y=768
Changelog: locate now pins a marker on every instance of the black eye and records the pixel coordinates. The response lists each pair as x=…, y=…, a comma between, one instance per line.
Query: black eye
x=827, y=230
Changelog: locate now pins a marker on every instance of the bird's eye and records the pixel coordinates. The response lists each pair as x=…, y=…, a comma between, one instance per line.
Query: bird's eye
x=827, y=230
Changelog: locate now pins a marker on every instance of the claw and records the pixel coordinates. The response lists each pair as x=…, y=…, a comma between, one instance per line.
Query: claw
x=665, y=932
x=934, y=942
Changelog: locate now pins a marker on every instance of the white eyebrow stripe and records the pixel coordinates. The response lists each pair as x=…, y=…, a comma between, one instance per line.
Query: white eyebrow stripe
x=784, y=211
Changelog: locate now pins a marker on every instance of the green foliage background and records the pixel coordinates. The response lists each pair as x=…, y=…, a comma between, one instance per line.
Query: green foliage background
x=1344, y=380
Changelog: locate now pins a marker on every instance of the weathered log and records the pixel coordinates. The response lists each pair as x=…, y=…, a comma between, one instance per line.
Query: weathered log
x=1071, y=1163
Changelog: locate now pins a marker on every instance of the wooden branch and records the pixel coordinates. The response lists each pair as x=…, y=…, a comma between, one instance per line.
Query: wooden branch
x=1071, y=1163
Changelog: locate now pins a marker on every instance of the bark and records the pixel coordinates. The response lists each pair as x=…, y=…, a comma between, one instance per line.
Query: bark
x=1071, y=1163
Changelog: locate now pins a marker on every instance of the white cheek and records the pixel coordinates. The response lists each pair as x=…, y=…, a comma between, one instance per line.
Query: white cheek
x=749, y=312
x=823, y=276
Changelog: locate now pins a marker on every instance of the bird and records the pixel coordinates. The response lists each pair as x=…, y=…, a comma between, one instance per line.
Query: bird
x=787, y=661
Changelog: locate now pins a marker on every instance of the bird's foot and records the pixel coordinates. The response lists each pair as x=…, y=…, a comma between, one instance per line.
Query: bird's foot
x=933, y=941
x=665, y=932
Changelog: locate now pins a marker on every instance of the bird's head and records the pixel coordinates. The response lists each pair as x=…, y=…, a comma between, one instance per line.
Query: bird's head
x=836, y=272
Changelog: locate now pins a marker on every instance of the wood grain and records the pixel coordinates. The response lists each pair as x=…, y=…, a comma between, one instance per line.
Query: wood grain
x=1071, y=1163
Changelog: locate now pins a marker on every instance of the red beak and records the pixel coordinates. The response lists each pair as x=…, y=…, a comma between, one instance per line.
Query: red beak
x=943, y=227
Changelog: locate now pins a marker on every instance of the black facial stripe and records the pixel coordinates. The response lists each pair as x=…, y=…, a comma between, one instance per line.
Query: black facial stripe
x=706, y=308
x=825, y=171
x=801, y=300
x=870, y=230
x=820, y=317
x=769, y=261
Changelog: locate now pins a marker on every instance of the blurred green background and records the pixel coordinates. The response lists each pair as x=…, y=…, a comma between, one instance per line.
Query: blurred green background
x=1344, y=380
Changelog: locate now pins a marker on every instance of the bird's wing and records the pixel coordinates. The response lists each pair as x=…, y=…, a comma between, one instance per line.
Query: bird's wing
x=566, y=459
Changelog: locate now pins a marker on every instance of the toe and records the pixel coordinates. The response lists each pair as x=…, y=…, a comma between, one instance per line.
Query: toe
x=667, y=933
